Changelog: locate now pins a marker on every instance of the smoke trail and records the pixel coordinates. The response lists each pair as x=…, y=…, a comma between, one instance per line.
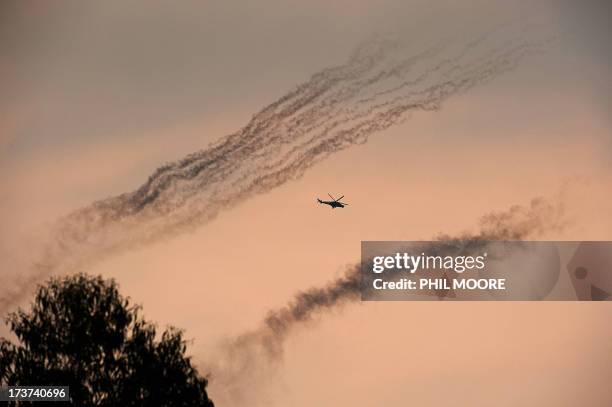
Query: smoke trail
x=249, y=360
x=338, y=107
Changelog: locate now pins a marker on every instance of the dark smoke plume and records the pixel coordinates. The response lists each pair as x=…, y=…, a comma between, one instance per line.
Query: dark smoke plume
x=338, y=107
x=248, y=360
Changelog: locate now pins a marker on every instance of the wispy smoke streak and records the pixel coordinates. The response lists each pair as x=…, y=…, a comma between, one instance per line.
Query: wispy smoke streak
x=337, y=108
x=244, y=363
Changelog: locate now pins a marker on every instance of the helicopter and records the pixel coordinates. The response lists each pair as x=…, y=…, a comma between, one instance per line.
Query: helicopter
x=335, y=203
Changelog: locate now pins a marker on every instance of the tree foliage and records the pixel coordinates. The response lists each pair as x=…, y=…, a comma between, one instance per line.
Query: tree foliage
x=81, y=333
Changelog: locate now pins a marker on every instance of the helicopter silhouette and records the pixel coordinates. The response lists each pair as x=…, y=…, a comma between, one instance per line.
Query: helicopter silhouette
x=335, y=203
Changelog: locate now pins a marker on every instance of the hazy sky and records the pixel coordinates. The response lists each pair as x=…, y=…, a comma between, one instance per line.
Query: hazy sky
x=96, y=96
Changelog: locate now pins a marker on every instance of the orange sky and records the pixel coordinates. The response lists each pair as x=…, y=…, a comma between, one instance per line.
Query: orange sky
x=528, y=133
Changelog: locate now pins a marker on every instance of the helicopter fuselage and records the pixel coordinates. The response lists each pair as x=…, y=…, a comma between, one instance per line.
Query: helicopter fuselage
x=333, y=204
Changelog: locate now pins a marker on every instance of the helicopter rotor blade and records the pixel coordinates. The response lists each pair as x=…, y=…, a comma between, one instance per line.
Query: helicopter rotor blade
x=331, y=196
x=338, y=200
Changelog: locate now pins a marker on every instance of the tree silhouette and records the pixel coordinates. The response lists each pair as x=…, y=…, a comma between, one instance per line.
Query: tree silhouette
x=83, y=334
